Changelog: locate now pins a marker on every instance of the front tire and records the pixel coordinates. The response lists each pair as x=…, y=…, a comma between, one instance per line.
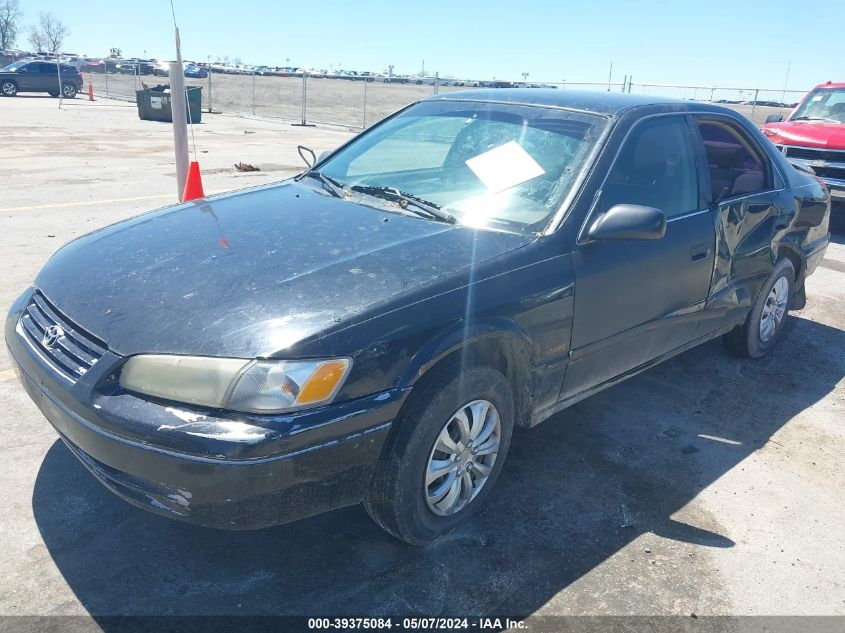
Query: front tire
x=8, y=89
x=444, y=454
x=69, y=91
x=763, y=326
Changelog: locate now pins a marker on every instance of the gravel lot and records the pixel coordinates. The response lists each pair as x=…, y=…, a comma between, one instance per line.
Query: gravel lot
x=707, y=485
x=335, y=101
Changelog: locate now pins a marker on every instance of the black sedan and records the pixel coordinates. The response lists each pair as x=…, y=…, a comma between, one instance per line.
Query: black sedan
x=374, y=329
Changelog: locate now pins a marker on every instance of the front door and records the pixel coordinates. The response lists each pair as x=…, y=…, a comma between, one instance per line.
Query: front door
x=637, y=300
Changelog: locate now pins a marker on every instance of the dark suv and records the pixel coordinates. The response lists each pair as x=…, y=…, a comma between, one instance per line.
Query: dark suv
x=39, y=76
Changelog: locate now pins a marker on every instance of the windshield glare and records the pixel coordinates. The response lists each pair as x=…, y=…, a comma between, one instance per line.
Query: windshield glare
x=823, y=103
x=487, y=164
x=13, y=66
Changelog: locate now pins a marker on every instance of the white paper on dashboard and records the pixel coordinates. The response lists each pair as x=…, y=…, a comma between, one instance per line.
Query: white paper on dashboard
x=504, y=167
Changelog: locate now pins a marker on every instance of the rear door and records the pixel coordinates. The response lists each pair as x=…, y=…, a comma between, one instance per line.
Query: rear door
x=44, y=77
x=750, y=207
x=637, y=300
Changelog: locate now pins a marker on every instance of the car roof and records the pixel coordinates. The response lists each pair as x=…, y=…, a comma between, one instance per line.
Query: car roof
x=831, y=84
x=606, y=103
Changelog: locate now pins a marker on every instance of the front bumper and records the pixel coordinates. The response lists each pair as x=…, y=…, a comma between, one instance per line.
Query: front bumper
x=218, y=469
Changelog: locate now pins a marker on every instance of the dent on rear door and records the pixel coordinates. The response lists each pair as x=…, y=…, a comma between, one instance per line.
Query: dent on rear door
x=744, y=232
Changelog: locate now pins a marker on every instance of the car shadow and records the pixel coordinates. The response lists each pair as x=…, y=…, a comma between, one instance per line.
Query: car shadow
x=575, y=490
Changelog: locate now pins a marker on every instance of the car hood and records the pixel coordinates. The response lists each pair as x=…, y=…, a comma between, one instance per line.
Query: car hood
x=807, y=133
x=253, y=272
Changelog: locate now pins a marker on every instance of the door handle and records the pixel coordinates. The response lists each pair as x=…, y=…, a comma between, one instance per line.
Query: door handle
x=699, y=252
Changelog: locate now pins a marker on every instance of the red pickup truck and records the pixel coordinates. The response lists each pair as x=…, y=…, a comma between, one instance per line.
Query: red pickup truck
x=814, y=135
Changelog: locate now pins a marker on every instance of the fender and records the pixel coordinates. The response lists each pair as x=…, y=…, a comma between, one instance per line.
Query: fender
x=460, y=335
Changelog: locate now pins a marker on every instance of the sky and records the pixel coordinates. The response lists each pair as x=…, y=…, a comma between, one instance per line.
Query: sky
x=742, y=43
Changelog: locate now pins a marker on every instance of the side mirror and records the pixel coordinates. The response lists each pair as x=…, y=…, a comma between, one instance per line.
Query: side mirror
x=629, y=222
x=774, y=118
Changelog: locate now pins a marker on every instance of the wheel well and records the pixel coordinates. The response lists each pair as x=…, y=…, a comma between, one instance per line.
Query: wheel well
x=507, y=355
x=797, y=263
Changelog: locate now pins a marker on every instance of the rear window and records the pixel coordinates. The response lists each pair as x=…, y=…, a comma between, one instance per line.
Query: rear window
x=735, y=166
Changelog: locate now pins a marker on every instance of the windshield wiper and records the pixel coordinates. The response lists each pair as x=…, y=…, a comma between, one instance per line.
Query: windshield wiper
x=408, y=201
x=814, y=118
x=334, y=187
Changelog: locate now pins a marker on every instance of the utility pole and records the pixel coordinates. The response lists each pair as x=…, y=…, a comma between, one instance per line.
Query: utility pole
x=786, y=81
x=610, y=76
x=524, y=77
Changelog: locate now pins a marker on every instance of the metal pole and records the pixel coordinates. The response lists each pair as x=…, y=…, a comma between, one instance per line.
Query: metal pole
x=179, y=108
x=253, y=92
x=209, y=89
x=59, y=74
x=754, y=103
x=712, y=90
x=106, y=75
x=304, y=123
x=630, y=81
x=436, y=82
x=304, y=94
x=786, y=81
x=365, y=102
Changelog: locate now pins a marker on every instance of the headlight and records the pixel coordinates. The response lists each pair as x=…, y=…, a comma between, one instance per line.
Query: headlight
x=255, y=386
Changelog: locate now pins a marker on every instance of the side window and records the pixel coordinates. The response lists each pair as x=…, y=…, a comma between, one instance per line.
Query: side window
x=735, y=165
x=655, y=168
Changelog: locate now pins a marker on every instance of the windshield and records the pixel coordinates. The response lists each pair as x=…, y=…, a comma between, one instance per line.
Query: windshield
x=488, y=164
x=14, y=66
x=823, y=103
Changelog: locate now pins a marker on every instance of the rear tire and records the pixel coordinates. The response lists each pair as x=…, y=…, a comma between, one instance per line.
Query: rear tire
x=8, y=89
x=763, y=326
x=406, y=495
x=53, y=94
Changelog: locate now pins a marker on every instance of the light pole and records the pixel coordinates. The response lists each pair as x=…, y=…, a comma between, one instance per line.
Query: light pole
x=524, y=77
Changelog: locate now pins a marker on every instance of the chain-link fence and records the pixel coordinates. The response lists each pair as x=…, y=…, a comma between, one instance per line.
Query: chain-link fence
x=356, y=104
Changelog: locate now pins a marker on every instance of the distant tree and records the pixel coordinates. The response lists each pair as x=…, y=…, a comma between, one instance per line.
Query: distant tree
x=36, y=39
x=10, y=15
x=237, y=61
x=53, y=30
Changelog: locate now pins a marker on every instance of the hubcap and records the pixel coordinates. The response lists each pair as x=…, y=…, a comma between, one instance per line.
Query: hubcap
x=68, y=91
x=462, y=458
x=8, y=89
x=774, y=309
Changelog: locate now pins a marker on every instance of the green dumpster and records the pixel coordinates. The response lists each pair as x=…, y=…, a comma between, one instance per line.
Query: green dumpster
x=154, y=104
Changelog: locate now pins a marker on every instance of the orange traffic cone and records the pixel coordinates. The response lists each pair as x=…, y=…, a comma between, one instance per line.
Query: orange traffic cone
x=193, y=184
x=90, y=91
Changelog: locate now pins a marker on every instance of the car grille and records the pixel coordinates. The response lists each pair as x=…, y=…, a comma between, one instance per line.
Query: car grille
x=830, y=172
x=73, y=352
x=830, y=155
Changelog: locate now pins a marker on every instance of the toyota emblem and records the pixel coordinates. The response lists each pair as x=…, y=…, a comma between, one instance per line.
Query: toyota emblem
x=51, y=335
